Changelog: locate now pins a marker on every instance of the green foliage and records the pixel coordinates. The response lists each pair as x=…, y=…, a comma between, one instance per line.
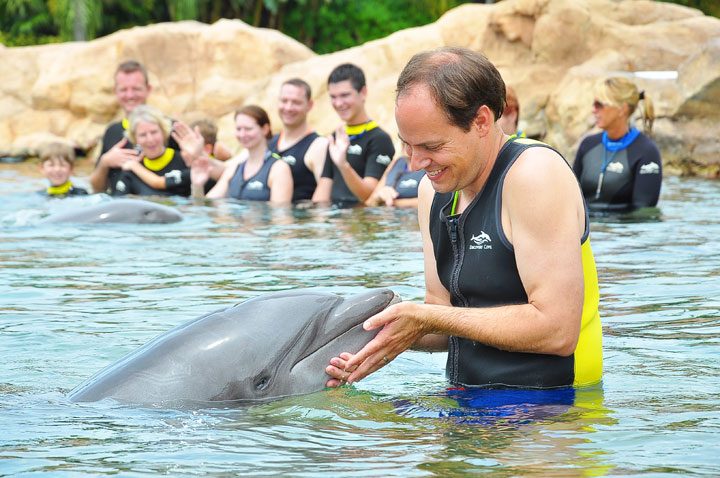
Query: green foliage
x=708, y=7
x=327, y=26
x=23, y=22
x=323, y=25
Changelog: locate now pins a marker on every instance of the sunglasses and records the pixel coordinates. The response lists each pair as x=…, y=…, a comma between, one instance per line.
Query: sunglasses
x=598, y=105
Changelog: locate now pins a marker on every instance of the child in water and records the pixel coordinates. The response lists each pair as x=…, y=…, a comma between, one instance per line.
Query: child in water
x=56, y=164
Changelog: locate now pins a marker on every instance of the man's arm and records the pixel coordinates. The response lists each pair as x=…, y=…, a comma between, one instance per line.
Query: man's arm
x=315, y=156
x=280, y=182
x=323, y=191
x=543, y=217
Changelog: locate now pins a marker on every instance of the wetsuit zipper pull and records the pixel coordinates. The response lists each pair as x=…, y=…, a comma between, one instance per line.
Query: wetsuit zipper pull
x=453, y=230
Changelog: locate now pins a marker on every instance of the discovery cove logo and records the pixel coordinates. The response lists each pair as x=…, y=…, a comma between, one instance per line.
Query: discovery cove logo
x=383, y=159
x=290, y=159
x=481, y=241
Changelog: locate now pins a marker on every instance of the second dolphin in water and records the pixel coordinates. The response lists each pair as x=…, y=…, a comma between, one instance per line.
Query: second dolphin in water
x=126, y=211
x=269, y=347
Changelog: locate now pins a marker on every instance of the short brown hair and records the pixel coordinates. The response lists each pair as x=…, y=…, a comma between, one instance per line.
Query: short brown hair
x=208, y=130
x=460, y=80
x=57, y=150
x=258, y=114
x=300, y=83
x=131, y=66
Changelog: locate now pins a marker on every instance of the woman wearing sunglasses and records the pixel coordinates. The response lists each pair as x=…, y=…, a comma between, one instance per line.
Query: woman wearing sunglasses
x=619, y=169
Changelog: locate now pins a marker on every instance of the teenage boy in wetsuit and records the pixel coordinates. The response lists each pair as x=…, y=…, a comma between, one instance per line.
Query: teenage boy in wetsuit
x=297, y=144
x=359, y=151
x=511, y=285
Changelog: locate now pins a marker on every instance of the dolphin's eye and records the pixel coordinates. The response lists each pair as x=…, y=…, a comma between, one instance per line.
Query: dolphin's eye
x=261, y=382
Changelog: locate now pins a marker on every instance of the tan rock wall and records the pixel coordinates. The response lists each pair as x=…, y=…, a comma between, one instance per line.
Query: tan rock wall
x=551, y=51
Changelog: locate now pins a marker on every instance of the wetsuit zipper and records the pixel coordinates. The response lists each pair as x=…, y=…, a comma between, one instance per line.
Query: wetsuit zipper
x=453, y=225
x=457, y=259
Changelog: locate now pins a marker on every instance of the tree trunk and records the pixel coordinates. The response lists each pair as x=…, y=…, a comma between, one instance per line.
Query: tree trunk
x=80, y=15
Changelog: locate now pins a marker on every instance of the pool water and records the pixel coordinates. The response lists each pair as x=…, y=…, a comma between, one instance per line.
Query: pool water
x=75, y=298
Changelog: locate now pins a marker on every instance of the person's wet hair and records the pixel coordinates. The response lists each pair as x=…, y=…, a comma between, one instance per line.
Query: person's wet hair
x=348, y=72
x=460, y=81
x=57, y=150
x=148, y=114
x=258, y=114
x=300, y=83
x=617, y=91
x=131, y=66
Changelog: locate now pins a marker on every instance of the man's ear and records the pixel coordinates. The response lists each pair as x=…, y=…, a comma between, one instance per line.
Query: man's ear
x=484, y=120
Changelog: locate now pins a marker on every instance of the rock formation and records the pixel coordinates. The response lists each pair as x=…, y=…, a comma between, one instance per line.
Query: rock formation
x=551, y=51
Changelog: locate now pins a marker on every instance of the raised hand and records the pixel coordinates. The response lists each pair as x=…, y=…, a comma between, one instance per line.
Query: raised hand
x=338, y=146
x=191, y=142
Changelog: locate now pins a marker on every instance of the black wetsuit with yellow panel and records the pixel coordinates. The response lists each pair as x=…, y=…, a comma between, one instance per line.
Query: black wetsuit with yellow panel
x=369, y=154
x=304, y=182
x=169, y=165
x=114, y=133
x=476, y=264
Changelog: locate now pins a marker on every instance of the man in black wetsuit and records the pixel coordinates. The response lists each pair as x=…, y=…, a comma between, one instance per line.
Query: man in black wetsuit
x=131, y=90
x=297, y=144
x=511, y=284
x=359, y=150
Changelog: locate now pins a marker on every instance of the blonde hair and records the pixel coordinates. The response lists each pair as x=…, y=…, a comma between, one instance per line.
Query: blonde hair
x=57, y=150
x=618, y=91
x=148, y=114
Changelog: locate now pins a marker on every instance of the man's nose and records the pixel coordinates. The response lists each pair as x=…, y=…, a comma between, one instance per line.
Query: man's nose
x=416, y=162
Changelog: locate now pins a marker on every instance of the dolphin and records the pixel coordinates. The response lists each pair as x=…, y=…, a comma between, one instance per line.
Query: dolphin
x=272, y=346
x=128, y=211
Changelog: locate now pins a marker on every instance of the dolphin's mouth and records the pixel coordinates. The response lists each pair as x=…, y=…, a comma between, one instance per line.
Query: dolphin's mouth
x=348, y=333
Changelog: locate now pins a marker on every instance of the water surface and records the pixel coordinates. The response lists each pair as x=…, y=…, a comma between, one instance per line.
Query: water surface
x=74, y=299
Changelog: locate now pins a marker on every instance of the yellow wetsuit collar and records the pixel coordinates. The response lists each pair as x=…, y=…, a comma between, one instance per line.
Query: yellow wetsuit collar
x=358, y=129
x=60, y=190
x=159, y=163
x=125, y=124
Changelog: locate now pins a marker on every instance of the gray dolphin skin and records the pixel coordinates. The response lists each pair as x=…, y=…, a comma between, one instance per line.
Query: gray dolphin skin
x=272, y=346
x=125, y=211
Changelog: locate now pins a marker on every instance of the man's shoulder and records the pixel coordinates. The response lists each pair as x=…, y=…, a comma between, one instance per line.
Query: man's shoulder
x=378, y=132
x=114, y=127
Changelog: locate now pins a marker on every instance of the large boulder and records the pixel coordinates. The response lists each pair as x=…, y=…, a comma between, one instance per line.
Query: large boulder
x=550, y=51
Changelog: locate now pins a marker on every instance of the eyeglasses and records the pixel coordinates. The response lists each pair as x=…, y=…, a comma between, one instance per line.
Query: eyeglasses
x=598, y=105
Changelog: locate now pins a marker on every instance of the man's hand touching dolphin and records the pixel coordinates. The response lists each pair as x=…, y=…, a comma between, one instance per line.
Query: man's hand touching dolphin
x=404, y=325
